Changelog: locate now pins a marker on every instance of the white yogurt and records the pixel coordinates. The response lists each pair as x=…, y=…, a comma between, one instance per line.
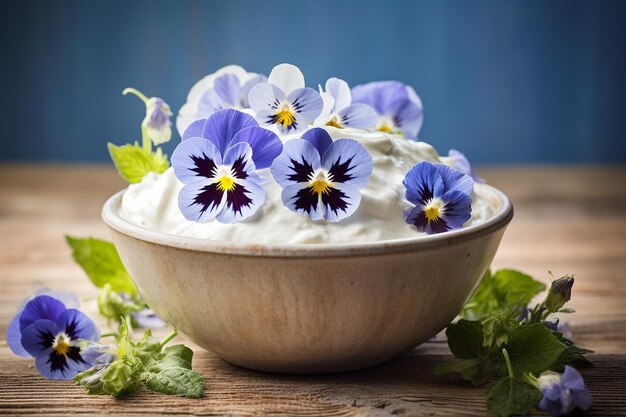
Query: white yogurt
x=153, y=203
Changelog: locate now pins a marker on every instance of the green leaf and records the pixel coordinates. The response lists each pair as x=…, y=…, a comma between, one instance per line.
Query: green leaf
x=102, y=264
x=175, y=381
x=501, y=292
x=471, y=369
x=533, y=348
x=133, y=162
x=148, y=349
x=573, y=355
x=465, y=339
x=512, y=396
x=177, y=356
x=496, y=328
x=181, y=352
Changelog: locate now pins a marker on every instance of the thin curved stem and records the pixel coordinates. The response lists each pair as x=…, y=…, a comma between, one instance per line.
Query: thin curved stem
x=168, y=338
x=137, y=93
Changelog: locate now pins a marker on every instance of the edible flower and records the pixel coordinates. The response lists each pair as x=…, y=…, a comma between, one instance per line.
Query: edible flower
x=46, y=329
x=284, y=101
x=563, y=393
x=399, y=108
x=157, y=125
x=441, y=195
x=340, y=112
x=217, y=161
x=226, y=88
x=322, y=178
x=460, y=162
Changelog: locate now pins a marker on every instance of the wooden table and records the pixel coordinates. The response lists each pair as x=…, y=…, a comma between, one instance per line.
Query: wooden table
x=568, y=220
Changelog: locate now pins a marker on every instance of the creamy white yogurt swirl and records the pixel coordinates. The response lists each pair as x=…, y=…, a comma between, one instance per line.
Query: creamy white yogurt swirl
x=153, y=203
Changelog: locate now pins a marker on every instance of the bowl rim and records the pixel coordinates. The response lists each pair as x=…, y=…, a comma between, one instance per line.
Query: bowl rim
x=305, y=250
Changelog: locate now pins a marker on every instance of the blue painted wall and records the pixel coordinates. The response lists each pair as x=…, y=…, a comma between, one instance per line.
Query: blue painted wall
x=505, y=81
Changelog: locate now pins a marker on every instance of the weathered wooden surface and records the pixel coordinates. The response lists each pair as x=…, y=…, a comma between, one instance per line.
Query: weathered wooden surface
x=568, y=220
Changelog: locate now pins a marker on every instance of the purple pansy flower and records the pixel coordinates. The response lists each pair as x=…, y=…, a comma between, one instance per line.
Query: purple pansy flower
x=217, y=161
x=322, y=178
x=148, y=319
x=563, y=393
x=340, y=112
x=227, y=88
x=398, y=106
x=284, y=101
x=51, y=333
x=460, y=162
x=442, y=197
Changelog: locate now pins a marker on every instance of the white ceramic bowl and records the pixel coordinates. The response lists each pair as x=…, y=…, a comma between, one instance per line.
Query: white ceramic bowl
x=309, y=308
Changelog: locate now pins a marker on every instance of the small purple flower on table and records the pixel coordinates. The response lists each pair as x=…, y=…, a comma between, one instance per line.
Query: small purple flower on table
x=460, y=162
x=226, y=88
x=441, y=195
x=322, y=178
x=284, y=101
x=398, y=107
x=217, y=161
x=340, y=112
x=563, y=393
x=52, y=333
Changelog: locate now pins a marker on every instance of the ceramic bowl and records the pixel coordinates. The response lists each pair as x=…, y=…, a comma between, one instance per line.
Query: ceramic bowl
x=309, y=308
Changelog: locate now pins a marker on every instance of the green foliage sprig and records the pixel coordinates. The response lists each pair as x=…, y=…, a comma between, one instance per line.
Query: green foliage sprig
x=500, y=340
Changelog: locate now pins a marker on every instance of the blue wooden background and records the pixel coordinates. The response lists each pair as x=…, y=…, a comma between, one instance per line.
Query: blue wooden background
x=504, y=81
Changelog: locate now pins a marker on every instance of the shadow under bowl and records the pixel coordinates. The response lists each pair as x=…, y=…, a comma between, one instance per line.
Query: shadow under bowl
x=309, y=308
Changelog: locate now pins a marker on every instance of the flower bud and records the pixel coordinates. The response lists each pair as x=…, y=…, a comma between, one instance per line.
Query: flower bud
x=157, y=121
x=559, y=294
x=110, y=304
x=117, y=378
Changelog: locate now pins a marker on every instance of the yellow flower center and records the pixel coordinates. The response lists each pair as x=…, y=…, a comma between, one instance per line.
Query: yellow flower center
x=226, y=183
x=434, y=210
x=285, y=117
x=334, y=123
x=61, y=344
x=320, y=185
x=386, y=124
x=384, y=127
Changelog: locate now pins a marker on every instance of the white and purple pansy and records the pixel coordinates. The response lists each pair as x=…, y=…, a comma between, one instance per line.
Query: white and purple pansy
x=398, y=107
x=322, y=178
x=227, y=88
x=283, y=101
x=46, y=329
x=217, y=161
x=340, y=112
x=441, y=195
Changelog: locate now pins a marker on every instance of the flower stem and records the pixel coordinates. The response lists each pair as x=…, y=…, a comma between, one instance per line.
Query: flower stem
x=532, y=380
x=508, y=362
x=111, y=334
x=168, y=338
x=137, y=93
x=147, y=143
